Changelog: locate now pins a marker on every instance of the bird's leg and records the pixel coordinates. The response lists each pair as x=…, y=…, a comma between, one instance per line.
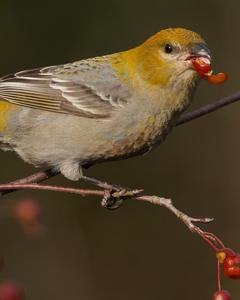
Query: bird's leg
x=114, y=194
x=102, y=184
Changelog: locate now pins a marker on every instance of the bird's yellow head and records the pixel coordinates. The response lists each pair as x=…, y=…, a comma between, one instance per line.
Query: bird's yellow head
x=166, y=57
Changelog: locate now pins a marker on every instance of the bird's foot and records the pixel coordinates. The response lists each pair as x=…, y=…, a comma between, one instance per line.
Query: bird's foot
x=113, y=199
x=114, y=195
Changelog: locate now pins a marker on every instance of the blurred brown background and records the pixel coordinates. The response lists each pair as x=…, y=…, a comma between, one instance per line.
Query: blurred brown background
x=139, y=251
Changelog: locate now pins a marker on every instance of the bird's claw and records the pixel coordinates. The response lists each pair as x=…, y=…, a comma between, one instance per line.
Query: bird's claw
x=113, y=199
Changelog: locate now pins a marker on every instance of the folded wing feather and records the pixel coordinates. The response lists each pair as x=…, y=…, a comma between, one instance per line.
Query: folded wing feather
x=80, y=88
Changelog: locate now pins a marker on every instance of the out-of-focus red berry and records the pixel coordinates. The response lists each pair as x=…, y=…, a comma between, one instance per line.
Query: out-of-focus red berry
x=27, y=212
x=231, y=266
x=11, y=291
x=222, y=295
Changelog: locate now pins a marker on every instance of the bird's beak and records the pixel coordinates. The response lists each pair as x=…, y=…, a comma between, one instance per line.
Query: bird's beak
x=200, y=58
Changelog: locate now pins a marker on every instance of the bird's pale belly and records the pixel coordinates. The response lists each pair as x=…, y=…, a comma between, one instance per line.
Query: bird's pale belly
x=137, y=139
x=44, y=138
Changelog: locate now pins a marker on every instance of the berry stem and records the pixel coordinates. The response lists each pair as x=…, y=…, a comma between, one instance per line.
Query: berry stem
x=214, y=238
x=214, y=247
x=219, y=276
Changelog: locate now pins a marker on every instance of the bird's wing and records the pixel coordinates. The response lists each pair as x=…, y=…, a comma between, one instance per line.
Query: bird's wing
x=87, y=88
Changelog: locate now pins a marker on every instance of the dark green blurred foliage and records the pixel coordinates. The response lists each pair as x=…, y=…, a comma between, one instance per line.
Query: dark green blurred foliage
x=140, y=251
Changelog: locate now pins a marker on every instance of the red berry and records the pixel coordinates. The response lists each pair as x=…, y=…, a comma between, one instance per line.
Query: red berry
x=11, y=291
x=222, y=295
x=231, y=266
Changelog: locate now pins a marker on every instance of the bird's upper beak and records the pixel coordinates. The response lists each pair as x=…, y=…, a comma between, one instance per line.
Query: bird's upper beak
x=200, y=50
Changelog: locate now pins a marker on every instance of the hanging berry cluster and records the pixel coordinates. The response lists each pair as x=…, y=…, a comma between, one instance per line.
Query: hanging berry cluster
x=227, y=260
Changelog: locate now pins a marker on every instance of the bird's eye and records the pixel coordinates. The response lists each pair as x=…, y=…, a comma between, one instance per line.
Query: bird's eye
x=168, y=48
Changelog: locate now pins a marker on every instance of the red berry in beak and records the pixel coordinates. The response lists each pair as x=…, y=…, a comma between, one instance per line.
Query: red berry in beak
x=217, y=78
x=222, y=295
x=202, y=66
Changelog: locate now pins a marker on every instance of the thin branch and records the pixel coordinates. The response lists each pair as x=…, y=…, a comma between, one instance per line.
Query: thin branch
x=34, y=178
x=206, y=109
x=186, y=117
x=35, y=186
x=160, y=201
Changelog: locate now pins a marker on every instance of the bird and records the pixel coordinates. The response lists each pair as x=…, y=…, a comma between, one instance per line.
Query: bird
x=70, y=116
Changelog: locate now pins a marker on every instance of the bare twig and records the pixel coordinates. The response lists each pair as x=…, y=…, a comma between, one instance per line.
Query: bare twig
x=187, y=220
x=186, y=117
x=164, y=202
x=34, y=178
x=206, y=109
x=35, y=186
